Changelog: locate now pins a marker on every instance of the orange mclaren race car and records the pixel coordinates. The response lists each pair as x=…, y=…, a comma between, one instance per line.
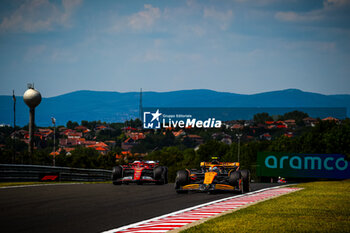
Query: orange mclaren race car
x=213, y=176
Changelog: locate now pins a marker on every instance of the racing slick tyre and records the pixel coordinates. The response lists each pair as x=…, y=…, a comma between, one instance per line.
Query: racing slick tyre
x=117, y=173
x=165, y=175
x=234, y=178
x=181, y=180
x=246, y=180
x=159, y=175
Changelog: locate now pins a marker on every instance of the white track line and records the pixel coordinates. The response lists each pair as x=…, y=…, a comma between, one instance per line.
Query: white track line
x=192, y=208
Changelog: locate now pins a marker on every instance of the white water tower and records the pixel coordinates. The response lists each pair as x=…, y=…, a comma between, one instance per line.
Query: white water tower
x=32, y=98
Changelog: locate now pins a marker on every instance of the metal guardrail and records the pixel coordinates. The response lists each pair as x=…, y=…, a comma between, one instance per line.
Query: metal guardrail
x=19, y=172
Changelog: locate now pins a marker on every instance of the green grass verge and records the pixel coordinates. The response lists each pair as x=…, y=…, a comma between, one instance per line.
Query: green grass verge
x=319, y=207
x=7, y=184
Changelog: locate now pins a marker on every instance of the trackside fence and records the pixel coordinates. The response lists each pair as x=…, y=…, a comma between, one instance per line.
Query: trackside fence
x=16, y=172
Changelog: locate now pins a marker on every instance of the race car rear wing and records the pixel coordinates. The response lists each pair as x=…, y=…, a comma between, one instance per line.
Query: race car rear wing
x=220, y=164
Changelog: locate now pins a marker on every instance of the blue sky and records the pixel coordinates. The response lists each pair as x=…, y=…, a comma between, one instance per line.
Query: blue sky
x=239, y=46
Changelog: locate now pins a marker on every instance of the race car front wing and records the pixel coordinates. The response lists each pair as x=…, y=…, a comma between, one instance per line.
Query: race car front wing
x=209, y=187
x=130, y=179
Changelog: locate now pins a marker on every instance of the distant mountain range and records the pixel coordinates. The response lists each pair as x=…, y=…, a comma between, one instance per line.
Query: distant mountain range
x=118, y=107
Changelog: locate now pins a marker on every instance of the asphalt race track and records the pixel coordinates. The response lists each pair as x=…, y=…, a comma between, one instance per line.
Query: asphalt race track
x=92, y=207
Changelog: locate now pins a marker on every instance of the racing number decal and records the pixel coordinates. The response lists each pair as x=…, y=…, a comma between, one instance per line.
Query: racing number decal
x=209, y=177
x=137, y=174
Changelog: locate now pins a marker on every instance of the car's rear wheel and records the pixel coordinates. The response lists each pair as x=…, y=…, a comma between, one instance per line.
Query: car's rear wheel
x=246, y=180
x=165, y=175
x=117, y=173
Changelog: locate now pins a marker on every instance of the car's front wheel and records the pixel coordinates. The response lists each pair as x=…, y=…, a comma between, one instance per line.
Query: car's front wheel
x=234, y=178
x=161, y=175
x=117, y=173
x=181, y=180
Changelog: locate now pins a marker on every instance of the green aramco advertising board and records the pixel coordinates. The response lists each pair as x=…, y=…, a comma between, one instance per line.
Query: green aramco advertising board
x=333, y=166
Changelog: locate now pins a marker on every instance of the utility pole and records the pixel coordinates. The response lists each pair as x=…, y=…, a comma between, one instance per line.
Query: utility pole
x=14, y=126
x=239, y=135
x=54, y=140
x=140, y=110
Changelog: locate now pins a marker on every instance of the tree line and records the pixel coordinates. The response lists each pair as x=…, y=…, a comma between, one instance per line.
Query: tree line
x=178, y=153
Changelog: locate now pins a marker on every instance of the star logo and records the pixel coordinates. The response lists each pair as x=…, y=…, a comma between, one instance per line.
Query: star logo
x=151, y=120
x=156, y=115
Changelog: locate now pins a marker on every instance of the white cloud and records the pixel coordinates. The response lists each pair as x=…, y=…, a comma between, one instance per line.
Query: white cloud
x=69, y=7
x=330, y=7
x=144, y=19
x=174, y=20
x=224, y=19
x=330, y=3
x=291, y=16
x=39, y=15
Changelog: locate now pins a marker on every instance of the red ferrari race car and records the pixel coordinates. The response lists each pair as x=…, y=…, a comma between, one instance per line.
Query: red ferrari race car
x=140, y=172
